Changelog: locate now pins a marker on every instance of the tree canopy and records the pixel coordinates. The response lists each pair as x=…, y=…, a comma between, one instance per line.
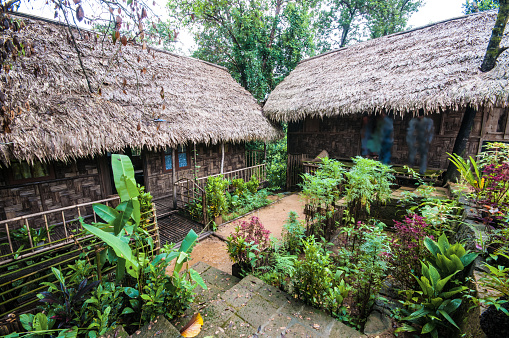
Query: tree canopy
x=259, y=41
x=473, y=6
x=343, y=21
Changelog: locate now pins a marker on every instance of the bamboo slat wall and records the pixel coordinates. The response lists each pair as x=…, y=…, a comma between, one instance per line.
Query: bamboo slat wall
x=341, y=137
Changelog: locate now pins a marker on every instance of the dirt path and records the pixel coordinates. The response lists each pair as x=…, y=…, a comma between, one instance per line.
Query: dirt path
x=213, y=251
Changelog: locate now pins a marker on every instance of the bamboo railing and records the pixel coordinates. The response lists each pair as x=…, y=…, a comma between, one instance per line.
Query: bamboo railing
x=24, y=265
x=187, y=193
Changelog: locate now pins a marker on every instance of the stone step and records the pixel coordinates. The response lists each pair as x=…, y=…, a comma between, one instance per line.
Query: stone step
x=251, y=308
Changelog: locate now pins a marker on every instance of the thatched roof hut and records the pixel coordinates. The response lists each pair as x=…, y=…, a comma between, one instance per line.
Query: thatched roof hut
x=432, y=67
x=143, y=97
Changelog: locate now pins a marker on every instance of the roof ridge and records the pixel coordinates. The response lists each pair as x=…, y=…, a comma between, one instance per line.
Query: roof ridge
x=39, y=18
x=399, y=33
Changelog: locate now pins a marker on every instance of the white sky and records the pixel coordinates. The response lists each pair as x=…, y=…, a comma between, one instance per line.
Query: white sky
x=431, y=11
x=436, y=10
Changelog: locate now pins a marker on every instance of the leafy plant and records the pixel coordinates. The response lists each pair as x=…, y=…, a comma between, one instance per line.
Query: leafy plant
x=252, y=185
x=215, y=192
x=39, y=236
x=497, y=279
x=293, y=233
x=368, y=182
x=473, y=178
x=247, y=243
x=448, y=259
x=66, y=302
x=318, y=282
x=408, y=249
x=122, y=221
x=323, y=190
x=433, y=307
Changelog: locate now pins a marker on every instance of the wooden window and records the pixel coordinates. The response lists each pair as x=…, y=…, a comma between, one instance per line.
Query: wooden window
x=22, y=172
x=183, y=158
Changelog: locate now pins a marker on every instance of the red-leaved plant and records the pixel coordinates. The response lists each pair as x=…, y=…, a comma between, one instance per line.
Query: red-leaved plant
x=247, y=243
x=408, y=249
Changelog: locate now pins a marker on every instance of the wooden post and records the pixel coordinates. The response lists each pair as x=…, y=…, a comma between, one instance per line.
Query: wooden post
x=222, y=157
x=174, y=176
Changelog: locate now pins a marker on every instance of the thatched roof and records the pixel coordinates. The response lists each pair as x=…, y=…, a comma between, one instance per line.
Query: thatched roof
x=432, y=67
x=56, y=118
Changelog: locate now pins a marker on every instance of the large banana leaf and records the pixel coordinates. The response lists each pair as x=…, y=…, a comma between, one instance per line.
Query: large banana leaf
x=108, y=214
x=121, y=248
x=123, y=174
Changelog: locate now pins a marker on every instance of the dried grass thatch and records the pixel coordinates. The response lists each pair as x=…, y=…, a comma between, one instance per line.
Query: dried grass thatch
x=54, y=116
x=432, y=67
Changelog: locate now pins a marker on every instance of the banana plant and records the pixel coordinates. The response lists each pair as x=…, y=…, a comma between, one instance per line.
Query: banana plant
x=120, y=222
x=433, y=306
x=448, y=258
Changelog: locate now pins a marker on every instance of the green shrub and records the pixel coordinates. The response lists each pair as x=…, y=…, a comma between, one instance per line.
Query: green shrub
x=293, y=233
x=448, y=259
x=317, y=282
x=216, y=198
x=363, y=254
x=433, y=307
x=252, y=185
x=368, y=182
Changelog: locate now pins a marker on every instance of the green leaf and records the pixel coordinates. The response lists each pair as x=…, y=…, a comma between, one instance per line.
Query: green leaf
x=131, y=292
x=58, y=275
x=123, y=172
x=443, y=243
x=27, y=321
x=108, y=214
x=127, y=310
x=188, y=242
x=428, y=328
x=449, y=319
x=431, y=246
x=197, y=278
x=121, y=248
x=69, y=333
x=40, y=322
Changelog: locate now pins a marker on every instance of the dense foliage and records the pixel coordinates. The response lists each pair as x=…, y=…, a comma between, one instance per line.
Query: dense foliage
x=473, y=6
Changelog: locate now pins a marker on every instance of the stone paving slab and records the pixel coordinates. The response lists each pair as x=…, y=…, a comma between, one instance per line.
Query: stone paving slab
x=251, y=308
x=160, y=328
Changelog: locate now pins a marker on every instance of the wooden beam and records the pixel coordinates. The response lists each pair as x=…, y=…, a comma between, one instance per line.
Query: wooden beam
x=222, y=158
x=174, y=176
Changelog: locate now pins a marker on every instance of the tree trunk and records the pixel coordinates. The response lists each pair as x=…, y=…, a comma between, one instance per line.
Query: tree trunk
x=460, y=144
x=494, y=49
x=490, y=59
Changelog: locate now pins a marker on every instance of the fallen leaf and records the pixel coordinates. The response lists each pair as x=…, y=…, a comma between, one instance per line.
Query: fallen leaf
x=193, y=327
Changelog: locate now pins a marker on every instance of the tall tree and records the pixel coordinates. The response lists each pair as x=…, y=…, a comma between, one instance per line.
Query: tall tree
x=473, y=6
x=259, y=41
x=343, y=21
x=493, y=51
x=390, y=16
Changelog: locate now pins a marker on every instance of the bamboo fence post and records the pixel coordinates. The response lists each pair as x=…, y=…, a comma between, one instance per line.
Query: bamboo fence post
x=65, y=225
x=28, y=233
x=47, y=229
x=9, y=237
x=98, y=261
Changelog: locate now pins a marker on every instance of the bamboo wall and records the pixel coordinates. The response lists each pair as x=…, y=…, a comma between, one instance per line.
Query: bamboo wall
x=341, y=137
x=88, y=180
x=74, y=183
x=208, y=161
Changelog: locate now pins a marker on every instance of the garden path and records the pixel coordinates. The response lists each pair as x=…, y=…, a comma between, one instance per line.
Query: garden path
x=213, y=250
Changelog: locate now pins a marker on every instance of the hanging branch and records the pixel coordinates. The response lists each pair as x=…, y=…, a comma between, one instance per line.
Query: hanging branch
x=76, y=48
